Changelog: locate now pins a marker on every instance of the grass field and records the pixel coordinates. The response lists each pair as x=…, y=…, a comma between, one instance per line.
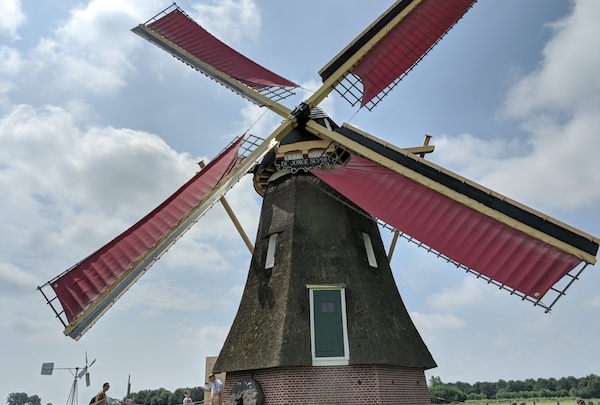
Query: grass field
x=534, y=401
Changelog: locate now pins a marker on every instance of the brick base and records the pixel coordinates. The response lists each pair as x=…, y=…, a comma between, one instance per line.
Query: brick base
x=337, y=385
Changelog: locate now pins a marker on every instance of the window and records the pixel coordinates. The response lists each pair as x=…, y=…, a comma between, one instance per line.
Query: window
x=328, y=325
x=270, y=260
x=369, y=249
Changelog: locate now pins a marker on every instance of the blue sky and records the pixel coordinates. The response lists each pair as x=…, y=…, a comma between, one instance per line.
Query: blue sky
x=97, y=127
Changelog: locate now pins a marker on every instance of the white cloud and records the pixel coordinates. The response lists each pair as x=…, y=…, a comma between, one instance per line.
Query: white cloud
x=562, y=82
x=197, y=252
x=483, y=154
x=13, y=279
x=78, y=188
x=546, y=165
x=5, y=88
x=75, y=189
x=212, y=338
x=437, y=322
x=156, y=297
x=90, y=52
x=232, y=21
x=259, y=120
x=557, y=107
x=10, y=60
x=471, y=292
x=11, y=17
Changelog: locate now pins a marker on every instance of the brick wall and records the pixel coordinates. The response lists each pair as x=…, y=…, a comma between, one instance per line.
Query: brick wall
x=337, y=385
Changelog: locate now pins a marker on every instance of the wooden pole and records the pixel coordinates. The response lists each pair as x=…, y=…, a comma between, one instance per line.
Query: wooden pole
x=393, y=245
x=234, y=219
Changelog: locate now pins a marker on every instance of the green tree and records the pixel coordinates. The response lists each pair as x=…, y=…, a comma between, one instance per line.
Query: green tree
x=505, y=394
x=21, y=398
x=529, y=384
x=140, y=397
x=161, y=396
x=442, y=393
x=463, y=386
x=572, y=382
x=552, y=384
x=435, y=380
x=515, y=386
x=197, y=395
x=476, y=397
x=487, y=388
x=563, y=384
x=178, y=395
x=541, y=383
x=591, y=387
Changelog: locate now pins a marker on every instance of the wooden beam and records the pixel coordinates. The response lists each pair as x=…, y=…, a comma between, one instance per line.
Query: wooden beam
x=393, y=245
x=233, y=218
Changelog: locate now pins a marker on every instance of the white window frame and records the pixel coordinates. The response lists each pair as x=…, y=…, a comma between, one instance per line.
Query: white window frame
x=270, y=259
x=329, y=361
x=369, y=249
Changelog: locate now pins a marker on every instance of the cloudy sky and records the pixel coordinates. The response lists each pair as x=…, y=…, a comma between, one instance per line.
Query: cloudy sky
x=97, y=127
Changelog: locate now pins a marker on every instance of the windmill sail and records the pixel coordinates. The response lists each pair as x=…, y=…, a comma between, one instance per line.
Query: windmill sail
x=473, y=226
x=89, y=288
x=390, y=47
x=175, y=32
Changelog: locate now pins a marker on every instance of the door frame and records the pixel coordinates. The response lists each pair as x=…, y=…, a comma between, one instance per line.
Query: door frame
x=329, y=361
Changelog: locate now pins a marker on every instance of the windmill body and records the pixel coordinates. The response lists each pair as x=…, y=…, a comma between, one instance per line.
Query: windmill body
x=320, y=306
x=320, y=303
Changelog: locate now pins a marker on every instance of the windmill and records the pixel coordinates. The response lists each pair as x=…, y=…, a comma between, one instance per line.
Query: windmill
x=320, y=301
x=77, y=372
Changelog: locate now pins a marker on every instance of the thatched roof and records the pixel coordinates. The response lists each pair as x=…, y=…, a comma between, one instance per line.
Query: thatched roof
x=319, y=242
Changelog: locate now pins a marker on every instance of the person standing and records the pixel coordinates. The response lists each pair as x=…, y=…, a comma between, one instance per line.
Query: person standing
x=101, y=395
x=216, y=390
x=187, y=400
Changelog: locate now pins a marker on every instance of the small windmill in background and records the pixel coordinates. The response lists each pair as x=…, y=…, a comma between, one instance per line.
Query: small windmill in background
x=77, y=373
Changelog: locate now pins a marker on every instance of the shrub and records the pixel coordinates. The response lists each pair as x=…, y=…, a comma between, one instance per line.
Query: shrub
x=444, y=393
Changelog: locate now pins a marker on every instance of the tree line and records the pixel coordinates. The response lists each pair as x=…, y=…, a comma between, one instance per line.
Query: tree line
x=159, y=396
x=584, y=387
x=21, y=398
x=587, y=387
x=163, y=396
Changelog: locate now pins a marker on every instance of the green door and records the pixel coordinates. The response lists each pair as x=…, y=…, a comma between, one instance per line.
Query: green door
x=329, y=329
